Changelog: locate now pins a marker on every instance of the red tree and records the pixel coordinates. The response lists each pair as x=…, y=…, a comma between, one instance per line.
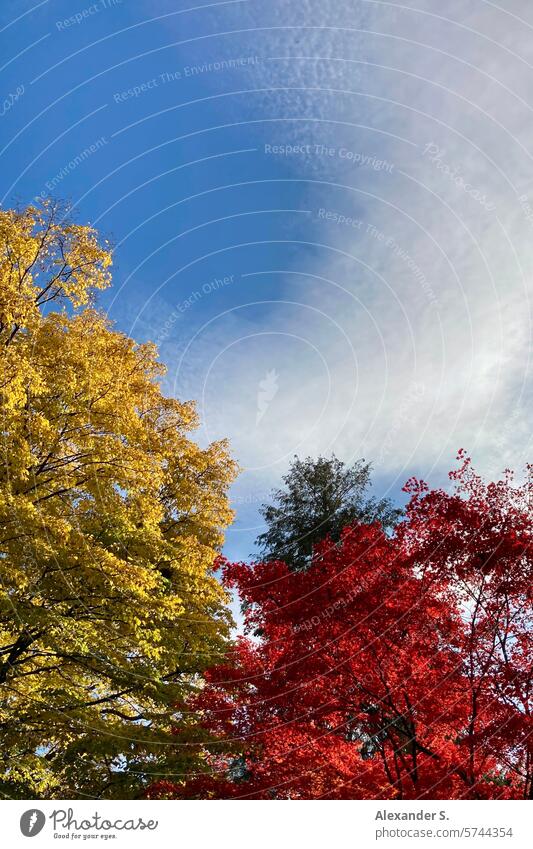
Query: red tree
x=392, y=668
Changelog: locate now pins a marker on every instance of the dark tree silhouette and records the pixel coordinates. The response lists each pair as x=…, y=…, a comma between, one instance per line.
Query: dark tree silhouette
x=320, y=497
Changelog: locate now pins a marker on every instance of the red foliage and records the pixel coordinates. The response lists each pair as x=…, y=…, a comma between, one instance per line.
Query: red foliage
x=393, y=668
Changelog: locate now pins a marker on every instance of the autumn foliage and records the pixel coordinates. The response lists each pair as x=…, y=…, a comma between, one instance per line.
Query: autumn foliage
x=111, y=518
x=396, y=667
x=384, y=661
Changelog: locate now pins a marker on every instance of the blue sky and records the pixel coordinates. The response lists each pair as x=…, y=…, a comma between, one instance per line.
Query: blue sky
x=322, y=211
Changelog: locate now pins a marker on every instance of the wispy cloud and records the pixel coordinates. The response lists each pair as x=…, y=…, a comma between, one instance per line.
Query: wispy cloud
x=415, y=274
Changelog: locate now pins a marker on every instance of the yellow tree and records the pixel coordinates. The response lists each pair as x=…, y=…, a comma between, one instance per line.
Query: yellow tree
x=111, y=518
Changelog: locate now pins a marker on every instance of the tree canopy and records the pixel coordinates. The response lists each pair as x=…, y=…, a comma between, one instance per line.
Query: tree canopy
x=381, y=659
x=111, y=518
x=397, y=668
x=319, y=498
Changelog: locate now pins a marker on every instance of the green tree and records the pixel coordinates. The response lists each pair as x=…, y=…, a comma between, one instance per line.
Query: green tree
x=111, y=519
x=319, y=498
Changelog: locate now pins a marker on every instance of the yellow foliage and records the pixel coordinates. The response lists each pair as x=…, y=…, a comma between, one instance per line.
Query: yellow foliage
x=111, y=518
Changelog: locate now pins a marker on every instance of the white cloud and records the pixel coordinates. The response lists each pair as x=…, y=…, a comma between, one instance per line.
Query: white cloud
x=411, y=339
